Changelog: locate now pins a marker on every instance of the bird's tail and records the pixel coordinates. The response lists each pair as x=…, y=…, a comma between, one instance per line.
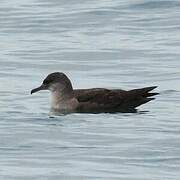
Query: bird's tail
x=137, y=97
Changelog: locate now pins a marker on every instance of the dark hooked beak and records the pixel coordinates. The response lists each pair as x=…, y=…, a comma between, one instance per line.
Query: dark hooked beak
x=42, y=87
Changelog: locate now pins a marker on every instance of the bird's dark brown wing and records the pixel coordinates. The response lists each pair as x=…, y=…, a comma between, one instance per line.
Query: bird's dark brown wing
x=98, y=95
x=106, y=100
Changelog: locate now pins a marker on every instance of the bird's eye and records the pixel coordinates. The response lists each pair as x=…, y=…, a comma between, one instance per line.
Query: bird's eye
x=46, y=81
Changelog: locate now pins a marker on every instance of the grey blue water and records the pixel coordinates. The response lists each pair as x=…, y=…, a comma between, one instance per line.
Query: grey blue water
x=115, y=44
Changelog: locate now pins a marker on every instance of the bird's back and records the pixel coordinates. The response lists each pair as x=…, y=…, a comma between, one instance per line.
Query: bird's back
x=99, y=100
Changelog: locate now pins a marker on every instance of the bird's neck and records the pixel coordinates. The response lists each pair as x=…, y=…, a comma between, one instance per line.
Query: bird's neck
x=63, y=101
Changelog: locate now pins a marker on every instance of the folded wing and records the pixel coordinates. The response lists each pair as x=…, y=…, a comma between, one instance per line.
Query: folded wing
x=105, y=100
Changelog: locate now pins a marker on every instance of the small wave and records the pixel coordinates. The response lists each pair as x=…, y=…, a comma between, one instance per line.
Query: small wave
x=157, y=5
x=169, y=91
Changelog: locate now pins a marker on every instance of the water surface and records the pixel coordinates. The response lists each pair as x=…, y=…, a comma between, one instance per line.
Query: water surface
x=114, y=44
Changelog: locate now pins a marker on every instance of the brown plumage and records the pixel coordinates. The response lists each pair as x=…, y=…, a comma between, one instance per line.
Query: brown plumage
x=105, y=100
x=95, y=100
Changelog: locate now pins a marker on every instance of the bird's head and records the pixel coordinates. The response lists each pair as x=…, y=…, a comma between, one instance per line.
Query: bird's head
x=54, y=82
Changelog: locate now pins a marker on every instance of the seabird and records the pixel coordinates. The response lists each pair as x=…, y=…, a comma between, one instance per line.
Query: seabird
x=65, y=99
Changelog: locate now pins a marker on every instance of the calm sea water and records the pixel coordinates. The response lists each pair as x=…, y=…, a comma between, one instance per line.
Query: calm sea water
x=114, y=44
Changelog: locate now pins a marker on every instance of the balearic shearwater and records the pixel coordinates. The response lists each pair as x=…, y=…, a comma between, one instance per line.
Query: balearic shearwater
x=65, y=99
